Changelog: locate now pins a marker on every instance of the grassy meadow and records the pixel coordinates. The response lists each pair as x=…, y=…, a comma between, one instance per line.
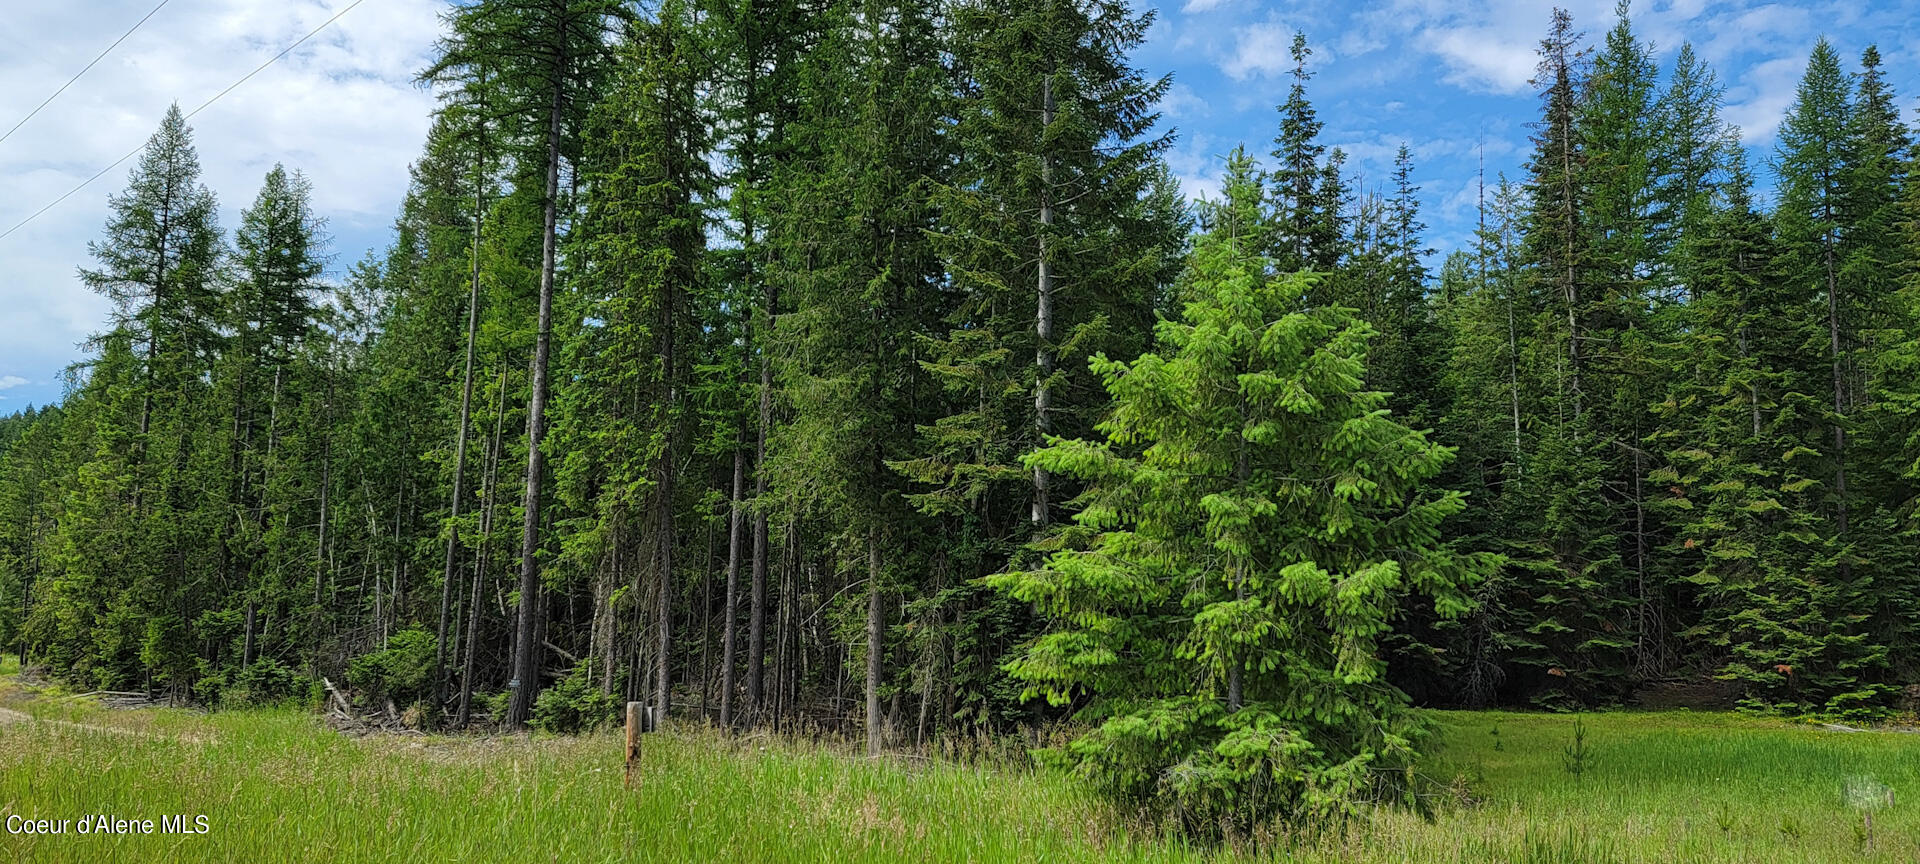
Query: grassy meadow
x=279, y=786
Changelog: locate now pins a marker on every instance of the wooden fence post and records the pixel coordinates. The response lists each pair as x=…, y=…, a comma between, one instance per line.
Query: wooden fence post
x=633, y=739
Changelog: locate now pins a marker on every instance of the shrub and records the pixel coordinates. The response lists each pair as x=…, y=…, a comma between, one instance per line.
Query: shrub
x=402, y=671
x=265, y=682
x=493, y=705
x=575, y=704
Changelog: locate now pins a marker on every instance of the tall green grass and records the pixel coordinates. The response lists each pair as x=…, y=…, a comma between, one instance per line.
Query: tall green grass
x=277, y=786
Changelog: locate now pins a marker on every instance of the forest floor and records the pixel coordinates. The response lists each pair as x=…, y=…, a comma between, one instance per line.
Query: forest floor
x=280, y=786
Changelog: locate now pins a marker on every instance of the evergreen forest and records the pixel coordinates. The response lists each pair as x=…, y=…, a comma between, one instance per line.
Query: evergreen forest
x=858, y=367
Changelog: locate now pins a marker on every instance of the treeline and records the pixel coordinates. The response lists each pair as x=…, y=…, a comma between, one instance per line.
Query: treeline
x=719, y=351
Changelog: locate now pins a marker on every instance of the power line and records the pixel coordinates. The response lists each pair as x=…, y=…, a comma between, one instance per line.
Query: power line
x=203, y=106
x=76, y=75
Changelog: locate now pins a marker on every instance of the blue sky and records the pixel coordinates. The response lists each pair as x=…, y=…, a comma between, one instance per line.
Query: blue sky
x=1448, y=77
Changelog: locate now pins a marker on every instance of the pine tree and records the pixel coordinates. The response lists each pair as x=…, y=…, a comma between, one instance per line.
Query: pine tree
x=159, y=266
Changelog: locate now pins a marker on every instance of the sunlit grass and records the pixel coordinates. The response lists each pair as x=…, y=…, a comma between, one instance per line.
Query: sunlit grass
x=277, y=786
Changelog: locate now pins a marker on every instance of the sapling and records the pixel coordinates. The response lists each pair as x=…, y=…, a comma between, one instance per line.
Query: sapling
x=1577, y=754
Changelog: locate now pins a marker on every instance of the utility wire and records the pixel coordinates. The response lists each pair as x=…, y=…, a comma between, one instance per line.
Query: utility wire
x=203, y=107
x=76, y=75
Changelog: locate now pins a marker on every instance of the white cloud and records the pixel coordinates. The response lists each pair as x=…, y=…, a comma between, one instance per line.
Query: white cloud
x=1182, y=103
x=1203, y=5
x=1259, y=51
x=342, y=108
x=1196, y=161
x=1761, y=99
x=8, y=382
x=1491, y=46
x=1771, y=26
x=1356, y=41
x=1479, y=57
x=1463, y=201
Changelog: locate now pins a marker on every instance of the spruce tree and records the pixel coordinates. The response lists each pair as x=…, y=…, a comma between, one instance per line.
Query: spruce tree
x=761, y=49
x=1876, y=171
x=159, y=268
x=34, y=471
x=624, y=414
x=1811, y=162
x=1741, y=442
x=1048, y=202
x=270, y=313
x=1693, y=149
x=1298, y=217
x=1570, y=629
x=1254, y=514
x=1826, y=168
x=863, y=278
x=1624, y=311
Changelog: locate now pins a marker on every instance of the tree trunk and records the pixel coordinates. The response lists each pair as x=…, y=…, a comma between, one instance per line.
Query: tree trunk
x=780, y=646
x=663, y=613
x=1572, y=225
x=526, y=671
x=875, y=616
x=1043, y=360
x=320, y=545
x=246, y=647
x=926, y=682
x=459, y=460
x=705, y=605
x=1513, y=371
x=137, y=459
x=489, y=486
x=757, y=600
x=1839, y=398
x=728, y=627
x=664, y=522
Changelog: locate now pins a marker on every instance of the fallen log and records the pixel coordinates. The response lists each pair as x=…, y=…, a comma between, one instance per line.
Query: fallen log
x=346, y=706
x=560, y=651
